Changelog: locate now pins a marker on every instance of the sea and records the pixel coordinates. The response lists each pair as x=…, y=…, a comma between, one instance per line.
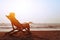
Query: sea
x=33, y=27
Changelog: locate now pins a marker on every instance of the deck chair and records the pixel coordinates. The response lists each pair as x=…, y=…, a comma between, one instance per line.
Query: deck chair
x=18, y=25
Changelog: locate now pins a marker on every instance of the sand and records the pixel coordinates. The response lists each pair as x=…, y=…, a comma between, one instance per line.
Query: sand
x=34, y=35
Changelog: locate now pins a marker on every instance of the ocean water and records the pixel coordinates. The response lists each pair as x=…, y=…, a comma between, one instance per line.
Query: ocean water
x=9, y=28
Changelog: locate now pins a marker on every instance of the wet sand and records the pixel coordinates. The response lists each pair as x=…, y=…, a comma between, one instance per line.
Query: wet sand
x=34, y=35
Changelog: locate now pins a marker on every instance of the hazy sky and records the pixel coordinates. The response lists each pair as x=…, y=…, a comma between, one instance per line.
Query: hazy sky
x=38, y=11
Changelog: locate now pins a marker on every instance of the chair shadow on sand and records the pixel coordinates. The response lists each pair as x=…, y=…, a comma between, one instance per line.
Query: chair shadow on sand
x=23, y=35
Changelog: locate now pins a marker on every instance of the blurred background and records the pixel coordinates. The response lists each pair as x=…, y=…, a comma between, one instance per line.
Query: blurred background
x=41, y=13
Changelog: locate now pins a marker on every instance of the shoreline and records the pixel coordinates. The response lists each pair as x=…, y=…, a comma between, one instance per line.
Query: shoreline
x=34, y=29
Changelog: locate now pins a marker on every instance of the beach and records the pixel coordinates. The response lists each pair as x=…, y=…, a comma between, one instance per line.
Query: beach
x=35, y=35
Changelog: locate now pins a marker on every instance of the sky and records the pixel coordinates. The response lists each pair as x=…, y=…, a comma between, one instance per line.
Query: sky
x=37, y=11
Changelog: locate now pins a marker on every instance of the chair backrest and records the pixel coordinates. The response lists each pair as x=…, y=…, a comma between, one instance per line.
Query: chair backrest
x=14, y=21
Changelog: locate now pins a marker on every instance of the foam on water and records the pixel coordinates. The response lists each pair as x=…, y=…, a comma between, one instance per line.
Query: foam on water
x=33, y=29
x=9, y=28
